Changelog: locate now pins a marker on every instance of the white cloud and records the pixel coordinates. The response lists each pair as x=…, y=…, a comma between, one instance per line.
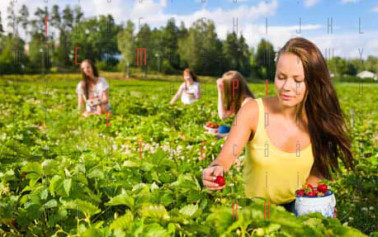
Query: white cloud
x=310, y=3
x=349, y=45
x=375, y=9
x=349, y=1
x=251, y=22
x=238, y=1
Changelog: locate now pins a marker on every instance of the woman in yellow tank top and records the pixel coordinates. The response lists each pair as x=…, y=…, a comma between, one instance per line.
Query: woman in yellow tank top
x=292, y=138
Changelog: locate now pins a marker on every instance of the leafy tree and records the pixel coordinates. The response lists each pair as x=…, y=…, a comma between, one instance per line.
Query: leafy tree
x=265, y=60
x=126, y=44
x=338, y=66
x=23, y=18
x=12, y=55
x=170, y=36
x=1, y=26
x=12, y=19
x=96, y=38
x=201, y=48
x=371, y=64
x=236, y=54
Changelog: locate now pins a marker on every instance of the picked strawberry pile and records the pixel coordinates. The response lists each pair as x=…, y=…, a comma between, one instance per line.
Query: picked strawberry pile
x=310, y=191
x=211, y=125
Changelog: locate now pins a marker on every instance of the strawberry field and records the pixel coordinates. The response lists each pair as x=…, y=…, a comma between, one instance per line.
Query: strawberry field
x=138, y=172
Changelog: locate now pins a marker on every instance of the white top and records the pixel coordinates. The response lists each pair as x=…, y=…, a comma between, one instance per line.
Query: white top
x=95, y=92
x=189, y=92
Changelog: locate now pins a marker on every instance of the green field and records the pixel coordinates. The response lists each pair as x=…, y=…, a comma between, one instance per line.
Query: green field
x=64, y=175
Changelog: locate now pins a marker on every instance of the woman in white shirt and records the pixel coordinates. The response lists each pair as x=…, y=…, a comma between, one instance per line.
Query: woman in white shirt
x=233, y=93
x=93, y=91
x=189, y=89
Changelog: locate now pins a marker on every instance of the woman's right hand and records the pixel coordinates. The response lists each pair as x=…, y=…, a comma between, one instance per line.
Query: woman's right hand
x=209, y=175
x=220, y=84
x=86, y=114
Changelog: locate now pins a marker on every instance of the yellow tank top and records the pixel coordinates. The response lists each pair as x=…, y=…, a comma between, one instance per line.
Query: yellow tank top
x=271, y=173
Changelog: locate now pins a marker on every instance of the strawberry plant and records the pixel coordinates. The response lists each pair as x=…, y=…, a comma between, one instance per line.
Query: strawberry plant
x=64, y=175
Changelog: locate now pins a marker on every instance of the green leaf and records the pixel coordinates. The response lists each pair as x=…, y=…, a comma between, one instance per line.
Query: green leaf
x=156, y=230
x=189, y=210
x=154, y=211
x=83, y=206
x=122, y=199
x=129, y=163
x=123, y=222
x=67, y=185
x=51, y=203
x=96, y=173
x=55, y=181
x=33, y=167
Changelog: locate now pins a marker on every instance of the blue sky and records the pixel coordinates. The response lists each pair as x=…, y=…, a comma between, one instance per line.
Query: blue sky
x=283, y=18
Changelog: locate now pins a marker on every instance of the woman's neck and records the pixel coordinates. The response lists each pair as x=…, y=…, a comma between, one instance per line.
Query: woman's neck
x=290, y=113
x=93, y=80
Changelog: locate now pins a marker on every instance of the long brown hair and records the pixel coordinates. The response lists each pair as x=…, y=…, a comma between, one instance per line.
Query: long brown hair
x=86, y=79
x=235, y=94
x=326, y=121
x=192, y=74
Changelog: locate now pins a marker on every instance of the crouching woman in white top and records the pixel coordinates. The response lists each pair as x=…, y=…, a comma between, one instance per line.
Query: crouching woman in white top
x=92, y=91
x=189, y=89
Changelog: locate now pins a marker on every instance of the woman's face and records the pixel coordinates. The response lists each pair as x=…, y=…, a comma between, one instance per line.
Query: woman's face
x=188, y=78
x=87, y=69
x=290, y=80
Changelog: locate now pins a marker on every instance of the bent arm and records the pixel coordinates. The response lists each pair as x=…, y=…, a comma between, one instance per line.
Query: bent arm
x=105, y=97
x=80, y=103
x=314, y=177
x=198, y=93
x=222, y=113
x=101, y=107
x=177, y=95
x=240, y=132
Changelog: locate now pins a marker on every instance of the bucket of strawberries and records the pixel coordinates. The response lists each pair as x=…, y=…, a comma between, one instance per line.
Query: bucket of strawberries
x=315, y=199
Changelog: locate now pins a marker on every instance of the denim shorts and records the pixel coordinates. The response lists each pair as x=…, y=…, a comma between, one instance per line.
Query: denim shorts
x=290, y=207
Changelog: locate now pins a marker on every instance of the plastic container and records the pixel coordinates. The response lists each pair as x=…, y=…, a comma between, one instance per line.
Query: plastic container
x=223, y=129
x=323, y=204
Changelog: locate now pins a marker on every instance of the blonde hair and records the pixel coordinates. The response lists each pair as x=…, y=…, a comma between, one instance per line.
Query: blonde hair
x=235, y=88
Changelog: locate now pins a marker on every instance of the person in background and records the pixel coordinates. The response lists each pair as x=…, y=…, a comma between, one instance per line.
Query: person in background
x=189, y=89
x=92, y=91
x=233, y=93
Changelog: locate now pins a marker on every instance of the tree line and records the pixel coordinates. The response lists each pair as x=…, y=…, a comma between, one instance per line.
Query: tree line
x=113, y=47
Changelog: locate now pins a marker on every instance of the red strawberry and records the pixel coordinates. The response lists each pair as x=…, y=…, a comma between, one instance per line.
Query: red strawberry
x=322, y=188
x=220, y=180
x=311, y=194
x=300, y=192
x=315, y=192
x=308, y=189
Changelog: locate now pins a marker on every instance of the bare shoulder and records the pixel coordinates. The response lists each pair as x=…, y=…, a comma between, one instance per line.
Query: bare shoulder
x=249, y=114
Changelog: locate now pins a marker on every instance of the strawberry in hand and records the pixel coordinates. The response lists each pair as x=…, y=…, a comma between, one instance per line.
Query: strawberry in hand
x=220, y=180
